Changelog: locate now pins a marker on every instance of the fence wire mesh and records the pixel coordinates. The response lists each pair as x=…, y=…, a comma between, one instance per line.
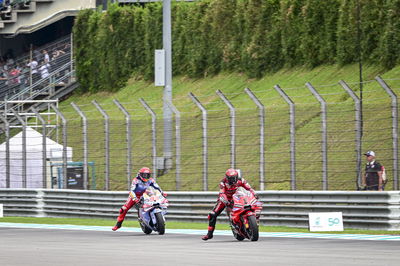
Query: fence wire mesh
x=343, y=158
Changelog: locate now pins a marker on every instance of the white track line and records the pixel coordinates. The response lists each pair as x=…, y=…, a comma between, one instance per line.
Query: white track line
x=201, y=232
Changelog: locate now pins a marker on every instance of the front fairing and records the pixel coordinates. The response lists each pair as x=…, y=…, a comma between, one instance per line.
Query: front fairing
x=244, y=202
x=244, y=205
x=153, y=202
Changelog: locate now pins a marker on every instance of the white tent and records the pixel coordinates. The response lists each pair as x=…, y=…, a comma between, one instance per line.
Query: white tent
x=34, y=162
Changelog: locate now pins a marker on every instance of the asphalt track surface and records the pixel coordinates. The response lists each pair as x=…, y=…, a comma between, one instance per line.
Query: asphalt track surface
x=25, y=246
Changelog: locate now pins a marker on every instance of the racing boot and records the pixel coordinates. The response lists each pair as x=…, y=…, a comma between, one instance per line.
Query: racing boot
x=209, y=234
x=122, y=213
x=117, y=226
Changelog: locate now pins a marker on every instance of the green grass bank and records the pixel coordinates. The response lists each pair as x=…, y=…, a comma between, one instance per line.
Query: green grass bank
x=341, y=127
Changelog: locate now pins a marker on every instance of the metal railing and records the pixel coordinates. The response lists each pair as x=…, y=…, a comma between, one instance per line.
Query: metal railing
x=362, y=210
x=45, y=86
x=17, y=74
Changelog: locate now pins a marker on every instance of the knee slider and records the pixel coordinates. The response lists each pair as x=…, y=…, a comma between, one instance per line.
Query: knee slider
x=212, y=216
x=122, y=210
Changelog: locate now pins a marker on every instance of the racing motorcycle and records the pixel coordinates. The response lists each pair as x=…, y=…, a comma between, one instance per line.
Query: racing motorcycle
x=244, y=215
x=152, y=211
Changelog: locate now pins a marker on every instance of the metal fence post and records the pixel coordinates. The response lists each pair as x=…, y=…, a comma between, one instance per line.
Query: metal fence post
x=106, y=143
x=177, y=144
x=233, y=126
x=153, y=130
x=292, y=117
x=7, y=155
x=64, y=133
x=324, y=135
x=85, y=145
x=23, y=123
x=128, y=140
x=357, y=106
x=72, y=55
x=44, y=146
x=395, y=131
x=205, y=142
x=30, y=62
x=261, y=109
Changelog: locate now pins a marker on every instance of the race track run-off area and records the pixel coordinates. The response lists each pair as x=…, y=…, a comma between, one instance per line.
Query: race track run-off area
x=30, y=244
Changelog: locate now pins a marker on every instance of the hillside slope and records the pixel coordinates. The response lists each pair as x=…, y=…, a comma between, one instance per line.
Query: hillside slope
x=341, y=133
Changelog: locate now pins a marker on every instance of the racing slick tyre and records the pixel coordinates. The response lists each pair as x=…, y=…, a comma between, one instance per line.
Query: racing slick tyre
x=253, y=228
x=145, y=229
x=160, y=223
x=237, y=236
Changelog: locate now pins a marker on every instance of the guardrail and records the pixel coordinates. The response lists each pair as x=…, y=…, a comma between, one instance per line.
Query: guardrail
x=363, y=210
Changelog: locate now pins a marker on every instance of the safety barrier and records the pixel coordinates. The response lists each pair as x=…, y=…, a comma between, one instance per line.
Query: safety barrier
x=363, y=210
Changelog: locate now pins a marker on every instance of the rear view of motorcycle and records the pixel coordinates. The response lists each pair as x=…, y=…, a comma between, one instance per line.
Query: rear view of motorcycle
x=244, y=215
x=152, y=212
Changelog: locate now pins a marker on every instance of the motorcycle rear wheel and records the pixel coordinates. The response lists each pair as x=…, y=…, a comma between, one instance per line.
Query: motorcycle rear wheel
x=253, y=228
x=160, y=223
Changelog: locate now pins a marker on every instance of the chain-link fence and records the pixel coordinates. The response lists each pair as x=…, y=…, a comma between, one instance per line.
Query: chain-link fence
x=305, y=138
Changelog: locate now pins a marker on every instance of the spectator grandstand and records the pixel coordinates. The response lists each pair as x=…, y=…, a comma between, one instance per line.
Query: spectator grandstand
x=37, y=74
x=36, y=59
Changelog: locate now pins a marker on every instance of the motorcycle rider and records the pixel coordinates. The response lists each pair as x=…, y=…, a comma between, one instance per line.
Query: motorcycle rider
x=139, y=185
x=228, y=186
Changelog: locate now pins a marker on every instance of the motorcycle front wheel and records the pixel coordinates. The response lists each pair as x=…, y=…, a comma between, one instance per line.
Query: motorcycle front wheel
x=145, y=229
x=253, y=228
x=160, y=223
x=237, y=236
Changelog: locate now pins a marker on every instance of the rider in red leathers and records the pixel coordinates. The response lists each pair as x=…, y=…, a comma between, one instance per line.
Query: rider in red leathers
x=228, y=186
x=139, y=185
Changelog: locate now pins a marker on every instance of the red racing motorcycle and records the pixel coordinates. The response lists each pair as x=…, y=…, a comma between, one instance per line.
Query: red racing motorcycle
x=244, y=215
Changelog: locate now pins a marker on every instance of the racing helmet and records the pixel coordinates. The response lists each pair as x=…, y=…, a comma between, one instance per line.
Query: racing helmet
x=232, y=176
x=144, y=174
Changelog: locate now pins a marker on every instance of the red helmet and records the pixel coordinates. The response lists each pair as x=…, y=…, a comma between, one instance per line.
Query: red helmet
x=144, y=173
x=232, y=176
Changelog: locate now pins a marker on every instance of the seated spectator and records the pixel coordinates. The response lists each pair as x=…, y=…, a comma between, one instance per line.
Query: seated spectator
x=20, y=4
x=3, y=77
x=36, y=54
x=23, y=77
x=14, y=76
x=57, y=53
x=5, y=10
x=5, y=5
x=57, y=59
x=35, y=75
x=46, y=57
x=44, y=70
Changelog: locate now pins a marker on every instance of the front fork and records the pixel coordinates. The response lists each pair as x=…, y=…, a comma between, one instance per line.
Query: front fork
x=153, y=215
x=245, y=220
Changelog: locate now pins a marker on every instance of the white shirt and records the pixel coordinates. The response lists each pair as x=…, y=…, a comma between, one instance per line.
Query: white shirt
x=46, y=58
x=44, y=71
x=33, y=65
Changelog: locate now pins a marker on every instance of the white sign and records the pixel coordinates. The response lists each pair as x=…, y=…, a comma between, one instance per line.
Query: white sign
x=325, y=221
x=1, y=210
x=159, y=68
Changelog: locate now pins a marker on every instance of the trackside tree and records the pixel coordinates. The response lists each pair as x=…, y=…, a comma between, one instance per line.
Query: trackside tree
x=250, y=36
